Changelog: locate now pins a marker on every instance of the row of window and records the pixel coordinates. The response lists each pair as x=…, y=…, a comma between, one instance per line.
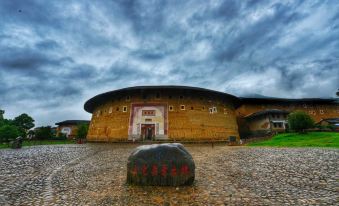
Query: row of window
x=314, y=112
x=170, y=108
x=211, y=110
x=278, y=125
x=278, y=116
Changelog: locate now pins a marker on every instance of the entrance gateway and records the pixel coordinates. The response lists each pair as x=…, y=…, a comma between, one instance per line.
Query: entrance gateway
x=148, y=122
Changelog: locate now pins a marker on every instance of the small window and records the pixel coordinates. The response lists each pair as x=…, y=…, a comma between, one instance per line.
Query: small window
x=225, y=111
x=182, y=107
x=128, y=98
x=214, y=109
x=117, y=109
x=181, y=97
x=192, y=108
x=124, y=109
x=110, y=110
x=210, y=110
x=170, y=97
x=278, y=116
x=273, y=115
x=321, y=111
x=98, y=113
x=203, y=108
x=304, y=105
x=157, y=95
x=170, y=108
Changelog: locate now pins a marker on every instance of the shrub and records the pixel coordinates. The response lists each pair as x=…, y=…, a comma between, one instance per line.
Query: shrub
x=8, y=133
x=299, y=121
x=43, y=133
x=82, y=131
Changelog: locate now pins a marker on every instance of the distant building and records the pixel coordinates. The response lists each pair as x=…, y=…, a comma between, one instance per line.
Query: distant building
x=69, y=127
x=334, y=122
x=267, y=121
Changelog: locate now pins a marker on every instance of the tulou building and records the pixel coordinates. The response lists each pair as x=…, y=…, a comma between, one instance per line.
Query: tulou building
x=182, y=113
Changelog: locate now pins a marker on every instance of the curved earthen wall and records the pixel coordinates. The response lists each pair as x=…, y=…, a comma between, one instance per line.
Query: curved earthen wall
x=177, y=116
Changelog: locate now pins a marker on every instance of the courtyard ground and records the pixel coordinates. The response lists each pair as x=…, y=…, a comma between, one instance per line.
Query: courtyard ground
x=95, y=174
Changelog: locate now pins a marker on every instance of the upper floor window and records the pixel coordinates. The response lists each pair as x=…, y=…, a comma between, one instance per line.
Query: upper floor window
x=215, y=109
x=110, y=110
x=181, y=97
x=157, y=95
x=124, y=109
x=128, y=98
x=170, y=108
x=182, y=107
x=225, y=111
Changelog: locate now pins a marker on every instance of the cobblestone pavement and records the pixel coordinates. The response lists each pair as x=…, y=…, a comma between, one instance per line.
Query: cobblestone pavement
x=95, y=174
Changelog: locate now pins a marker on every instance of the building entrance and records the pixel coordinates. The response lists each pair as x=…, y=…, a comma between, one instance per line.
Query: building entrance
x=148, y=131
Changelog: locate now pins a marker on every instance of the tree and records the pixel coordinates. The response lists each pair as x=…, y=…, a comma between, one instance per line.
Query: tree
x=24, y=121
x=8, y=133
x=2, y=112
x=43, y=133
x=82, y=131
x=300, y=121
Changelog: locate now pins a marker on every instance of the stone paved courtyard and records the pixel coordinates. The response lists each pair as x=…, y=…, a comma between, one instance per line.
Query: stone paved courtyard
x=95, y=174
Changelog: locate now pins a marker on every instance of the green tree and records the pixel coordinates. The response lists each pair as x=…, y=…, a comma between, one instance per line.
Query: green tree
x=43, y=133
x=24, y=121
x=2, y=112
x=299, y=121
x=82, y=131
x=8, y=133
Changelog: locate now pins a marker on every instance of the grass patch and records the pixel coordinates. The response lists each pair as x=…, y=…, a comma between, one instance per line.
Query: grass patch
x=28, y=143
x=310, y=139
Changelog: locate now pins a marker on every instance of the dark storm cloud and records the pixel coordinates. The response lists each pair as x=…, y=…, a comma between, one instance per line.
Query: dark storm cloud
x=54, y=55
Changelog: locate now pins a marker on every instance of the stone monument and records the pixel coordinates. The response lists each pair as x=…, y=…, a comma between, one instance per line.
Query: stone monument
x=160, y=165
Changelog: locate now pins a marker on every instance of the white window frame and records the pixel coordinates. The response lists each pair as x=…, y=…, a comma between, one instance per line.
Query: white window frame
x=124, y=109
x=215, y=110
x=182, y=107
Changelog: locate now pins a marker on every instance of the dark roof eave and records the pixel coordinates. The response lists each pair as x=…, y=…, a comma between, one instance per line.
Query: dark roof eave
x=265, y=112
x=90, y=104
x=70, y=122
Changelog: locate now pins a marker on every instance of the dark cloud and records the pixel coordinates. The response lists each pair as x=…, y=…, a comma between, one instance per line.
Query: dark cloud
x=54, y=55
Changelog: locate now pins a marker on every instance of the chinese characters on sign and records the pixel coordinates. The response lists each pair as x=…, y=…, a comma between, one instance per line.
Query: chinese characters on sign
x=148, y=112
x=153, y=170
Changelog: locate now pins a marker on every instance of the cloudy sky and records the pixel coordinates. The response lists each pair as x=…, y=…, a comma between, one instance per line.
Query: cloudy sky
x=54, y=55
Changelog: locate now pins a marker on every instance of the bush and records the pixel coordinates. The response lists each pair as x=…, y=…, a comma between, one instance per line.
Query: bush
x=8, y=133
x=44, y=133
x=299, y=121
x=82, y=131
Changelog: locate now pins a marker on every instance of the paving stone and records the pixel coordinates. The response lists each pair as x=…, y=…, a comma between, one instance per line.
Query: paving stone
x=95, y=174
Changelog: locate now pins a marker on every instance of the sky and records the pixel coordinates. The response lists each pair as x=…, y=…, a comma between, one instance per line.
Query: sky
x=55, y=55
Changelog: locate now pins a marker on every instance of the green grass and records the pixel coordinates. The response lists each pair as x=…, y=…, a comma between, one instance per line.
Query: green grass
x=310, y=139
x=27, y=143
